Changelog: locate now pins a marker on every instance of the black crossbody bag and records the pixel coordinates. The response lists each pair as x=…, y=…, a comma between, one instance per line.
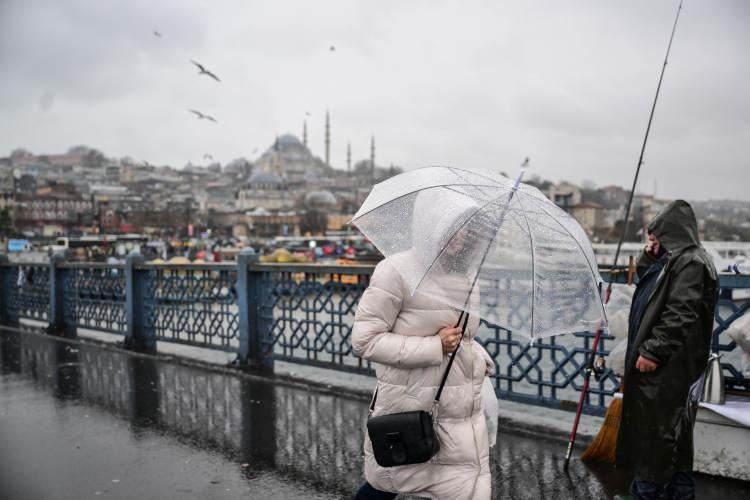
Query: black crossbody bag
x=408, y=437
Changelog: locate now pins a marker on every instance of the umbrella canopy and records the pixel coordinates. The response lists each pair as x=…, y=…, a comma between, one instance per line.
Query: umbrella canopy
x=492, y=247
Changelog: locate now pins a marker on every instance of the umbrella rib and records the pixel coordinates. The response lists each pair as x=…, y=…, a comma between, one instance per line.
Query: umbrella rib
x=533, y=266
x=593, y=273
x=391, y=200
x=476, y=173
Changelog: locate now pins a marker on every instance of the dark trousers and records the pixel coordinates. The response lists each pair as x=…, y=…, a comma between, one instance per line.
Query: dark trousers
x=367, y=492
x=680, y=487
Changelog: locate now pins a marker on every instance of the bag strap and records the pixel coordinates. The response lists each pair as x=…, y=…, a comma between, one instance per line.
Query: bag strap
x=465, y=317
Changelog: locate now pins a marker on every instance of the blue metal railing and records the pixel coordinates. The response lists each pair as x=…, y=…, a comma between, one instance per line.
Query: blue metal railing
x=301, y=313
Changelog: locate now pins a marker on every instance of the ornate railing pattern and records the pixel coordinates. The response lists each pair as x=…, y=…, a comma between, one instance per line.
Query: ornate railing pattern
x=194, y=305
x=29, y=292
x=98, y=297
x=313, y=314
x=299, y=313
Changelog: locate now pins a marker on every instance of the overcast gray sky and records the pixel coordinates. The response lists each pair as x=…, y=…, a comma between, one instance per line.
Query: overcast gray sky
x=478, y=84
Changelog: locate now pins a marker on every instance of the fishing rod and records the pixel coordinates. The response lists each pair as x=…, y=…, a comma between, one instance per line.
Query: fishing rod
x=590, y=364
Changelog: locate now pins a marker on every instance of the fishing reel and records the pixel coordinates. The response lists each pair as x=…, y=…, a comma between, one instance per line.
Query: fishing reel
x=597, y=365
x=600, y=366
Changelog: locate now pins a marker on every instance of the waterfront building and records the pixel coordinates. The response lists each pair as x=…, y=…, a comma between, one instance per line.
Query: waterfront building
x=264, y=189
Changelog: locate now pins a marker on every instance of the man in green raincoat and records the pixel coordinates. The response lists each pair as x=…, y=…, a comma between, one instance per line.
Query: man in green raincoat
x=671, y=323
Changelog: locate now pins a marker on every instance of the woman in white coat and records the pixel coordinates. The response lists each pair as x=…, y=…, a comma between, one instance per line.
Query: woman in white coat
x=408, y=337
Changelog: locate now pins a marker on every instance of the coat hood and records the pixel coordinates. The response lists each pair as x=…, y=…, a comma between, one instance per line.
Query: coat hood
x=438, y=215
x=676, y=227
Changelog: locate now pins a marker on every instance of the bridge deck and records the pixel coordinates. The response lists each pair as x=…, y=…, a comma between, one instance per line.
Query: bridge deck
x=82, y=420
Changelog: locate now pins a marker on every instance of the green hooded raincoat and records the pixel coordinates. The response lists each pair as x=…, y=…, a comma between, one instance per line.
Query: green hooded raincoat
x=656, y=432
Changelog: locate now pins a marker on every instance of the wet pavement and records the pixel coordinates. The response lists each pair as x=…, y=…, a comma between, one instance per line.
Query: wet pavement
x=86, y=421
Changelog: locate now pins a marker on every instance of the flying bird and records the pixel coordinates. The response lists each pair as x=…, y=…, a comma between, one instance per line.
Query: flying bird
x=333, y=48
x=255, y=150
x=208, y=156
x=525, y=162
x=203, y=71
x=157, y=34
x=307, y=113
x=202, y=116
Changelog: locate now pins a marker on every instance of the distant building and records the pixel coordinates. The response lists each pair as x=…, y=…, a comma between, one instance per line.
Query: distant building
x=264, y=189
x=269, y=225
x=614, y=196
x=588, y=215
x=54, y=209
x=565, y=195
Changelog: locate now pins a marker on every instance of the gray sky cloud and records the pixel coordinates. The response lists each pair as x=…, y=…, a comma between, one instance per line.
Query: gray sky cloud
x=479, y=84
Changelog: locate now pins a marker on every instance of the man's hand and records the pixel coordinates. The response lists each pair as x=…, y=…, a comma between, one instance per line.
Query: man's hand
x=450, y=336
x=653, y=247
x=645, y=365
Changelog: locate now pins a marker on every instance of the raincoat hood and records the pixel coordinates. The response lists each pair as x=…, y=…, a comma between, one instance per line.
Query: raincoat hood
x=676, y=227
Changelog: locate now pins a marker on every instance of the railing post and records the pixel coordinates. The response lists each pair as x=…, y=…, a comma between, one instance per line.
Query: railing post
x=140, y=334
x=255, y=350
x=8, y=280
x=62, y=314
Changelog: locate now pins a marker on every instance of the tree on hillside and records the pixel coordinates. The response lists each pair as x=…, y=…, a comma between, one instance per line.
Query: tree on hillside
x=20, y=153
x=6, y=224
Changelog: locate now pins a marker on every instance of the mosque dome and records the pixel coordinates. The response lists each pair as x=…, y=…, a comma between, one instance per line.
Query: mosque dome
x=265, y=178
x=289, y=140
x=320, y=200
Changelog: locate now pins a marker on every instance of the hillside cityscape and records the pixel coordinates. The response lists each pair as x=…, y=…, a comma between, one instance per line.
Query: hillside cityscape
x=285, y=190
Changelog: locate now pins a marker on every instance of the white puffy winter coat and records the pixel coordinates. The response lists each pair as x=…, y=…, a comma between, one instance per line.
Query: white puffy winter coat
x=398, y=332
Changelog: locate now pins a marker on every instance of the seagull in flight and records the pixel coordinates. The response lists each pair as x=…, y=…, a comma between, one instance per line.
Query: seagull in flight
x=157, y=34
x=208, y=156
x=203, y=71
x=307, y=113
x=332, y=48
x=202, y=116
x=526, y=162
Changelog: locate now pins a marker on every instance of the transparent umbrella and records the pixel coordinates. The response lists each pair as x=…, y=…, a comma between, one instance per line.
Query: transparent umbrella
x=489, y=246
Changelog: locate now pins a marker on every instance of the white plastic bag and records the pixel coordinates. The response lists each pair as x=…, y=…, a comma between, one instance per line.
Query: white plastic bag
x=739, y=331
x=489, y=402
x=616, y=358
x=618, y=316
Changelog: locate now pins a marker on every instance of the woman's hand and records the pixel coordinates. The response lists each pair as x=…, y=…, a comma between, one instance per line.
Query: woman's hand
x=450, y=336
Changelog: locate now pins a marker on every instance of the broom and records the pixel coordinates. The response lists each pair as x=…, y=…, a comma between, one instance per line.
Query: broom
x=603, y=447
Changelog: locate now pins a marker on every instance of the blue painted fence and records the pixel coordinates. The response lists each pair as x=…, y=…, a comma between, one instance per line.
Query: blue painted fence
x=299, y=313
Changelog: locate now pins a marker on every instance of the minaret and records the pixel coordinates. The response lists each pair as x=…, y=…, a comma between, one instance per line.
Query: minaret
x=328, y=140
x=275, y=163
x=372, y=158
x=304, y=133
x=349, y=158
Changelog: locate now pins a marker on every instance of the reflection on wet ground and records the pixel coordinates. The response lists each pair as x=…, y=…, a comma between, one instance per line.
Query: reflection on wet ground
x=79, y=420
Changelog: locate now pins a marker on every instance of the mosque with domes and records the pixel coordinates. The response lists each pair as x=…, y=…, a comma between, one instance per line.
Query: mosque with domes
x=287, y=178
